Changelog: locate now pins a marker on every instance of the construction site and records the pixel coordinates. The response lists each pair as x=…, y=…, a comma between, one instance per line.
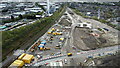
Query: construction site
x=70, y=39
x=84, y=38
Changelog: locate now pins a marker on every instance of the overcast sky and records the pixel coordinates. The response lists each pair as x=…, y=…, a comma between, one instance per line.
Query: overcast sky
x=60, y=0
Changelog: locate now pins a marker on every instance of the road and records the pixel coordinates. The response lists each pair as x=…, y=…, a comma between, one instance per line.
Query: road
x=74, y=22
x=83, y=54
x=100, y=1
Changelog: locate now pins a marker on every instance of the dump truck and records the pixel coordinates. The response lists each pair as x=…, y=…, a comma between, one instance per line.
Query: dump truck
x=69, y=54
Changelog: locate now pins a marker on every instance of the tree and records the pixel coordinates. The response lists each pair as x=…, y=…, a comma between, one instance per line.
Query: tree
x=20, y=16
x=40, y=7
x=12, y=17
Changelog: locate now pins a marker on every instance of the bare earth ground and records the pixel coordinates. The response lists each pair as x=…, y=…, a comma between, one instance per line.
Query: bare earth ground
x=108, y=61
x=64, y=22
x=83, y=40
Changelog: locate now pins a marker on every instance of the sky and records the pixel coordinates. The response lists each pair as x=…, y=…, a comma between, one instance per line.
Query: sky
x=60, y=0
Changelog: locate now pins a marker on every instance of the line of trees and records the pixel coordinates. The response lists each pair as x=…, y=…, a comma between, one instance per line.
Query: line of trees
x=42, y=7
x=13, y=19
x=95, y=18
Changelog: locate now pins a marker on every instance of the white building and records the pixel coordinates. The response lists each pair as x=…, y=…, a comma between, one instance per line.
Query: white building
x=84, y=24
x=35, y=9
x=56, y=64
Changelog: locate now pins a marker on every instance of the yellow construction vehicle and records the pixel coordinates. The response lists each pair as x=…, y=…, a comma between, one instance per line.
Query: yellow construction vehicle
x=59, y=33
x=53, y=29
x=69, y=54
x=61, y=39
x=57, y=48
x=54, y=33
x=41, y=48
x=49, y=32
x=46, y=48
x=52, y=54
x=21, y=56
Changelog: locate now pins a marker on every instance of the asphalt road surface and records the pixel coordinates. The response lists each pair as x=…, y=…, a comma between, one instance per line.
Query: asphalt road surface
x=84, y=54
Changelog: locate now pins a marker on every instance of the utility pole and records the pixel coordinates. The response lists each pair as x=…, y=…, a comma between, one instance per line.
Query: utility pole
x=99, y=13
x=48, y=6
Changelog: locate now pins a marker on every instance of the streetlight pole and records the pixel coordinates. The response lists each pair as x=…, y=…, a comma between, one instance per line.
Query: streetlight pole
x=48, y=6
x=99, y=13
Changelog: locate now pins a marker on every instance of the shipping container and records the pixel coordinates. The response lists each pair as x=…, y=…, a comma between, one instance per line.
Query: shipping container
x=17, y=64
x=41, y=46
x=21, y=56
x=43, y=42
x=27, y=58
